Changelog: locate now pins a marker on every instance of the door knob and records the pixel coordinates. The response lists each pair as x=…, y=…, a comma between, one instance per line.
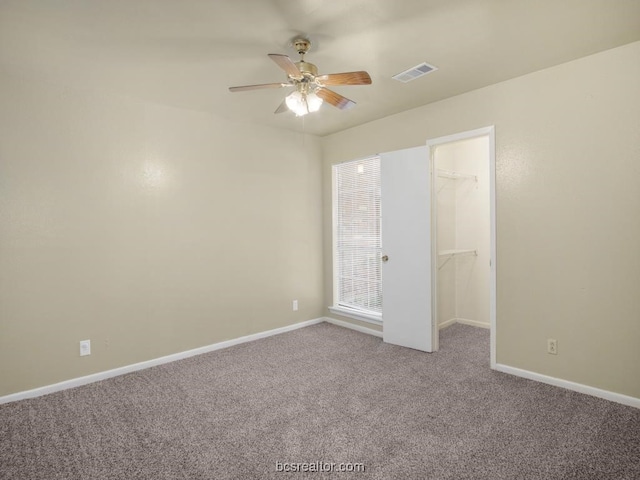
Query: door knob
x=385, y=258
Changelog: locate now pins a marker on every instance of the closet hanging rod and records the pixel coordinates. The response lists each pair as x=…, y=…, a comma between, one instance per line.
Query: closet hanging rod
x=454, y=253
x=455, y=175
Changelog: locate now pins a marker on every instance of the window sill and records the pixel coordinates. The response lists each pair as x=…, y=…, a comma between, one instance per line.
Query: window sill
x=363, y=317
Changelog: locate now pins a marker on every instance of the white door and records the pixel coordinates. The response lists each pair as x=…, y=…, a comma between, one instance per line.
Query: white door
x=406, y=248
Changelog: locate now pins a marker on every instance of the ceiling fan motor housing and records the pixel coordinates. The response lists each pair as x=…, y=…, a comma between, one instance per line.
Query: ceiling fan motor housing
x=301, y=45
x=307, y=69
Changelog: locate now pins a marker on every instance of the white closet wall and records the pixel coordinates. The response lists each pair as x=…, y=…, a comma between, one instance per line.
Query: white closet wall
x=445, y=237
x=463, y=232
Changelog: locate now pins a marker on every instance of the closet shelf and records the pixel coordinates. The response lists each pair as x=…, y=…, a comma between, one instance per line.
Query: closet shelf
x=456, y=175
x=456, y=253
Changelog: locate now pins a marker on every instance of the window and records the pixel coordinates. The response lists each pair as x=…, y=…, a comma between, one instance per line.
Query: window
x=357, y=241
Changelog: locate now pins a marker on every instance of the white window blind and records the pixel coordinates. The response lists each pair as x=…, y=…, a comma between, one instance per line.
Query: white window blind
x=357, y=234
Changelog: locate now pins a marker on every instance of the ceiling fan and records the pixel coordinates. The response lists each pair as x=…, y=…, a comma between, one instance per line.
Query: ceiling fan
x=310, y=88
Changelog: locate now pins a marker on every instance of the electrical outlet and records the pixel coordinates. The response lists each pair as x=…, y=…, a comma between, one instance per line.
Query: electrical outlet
x=85, y=347
x=552, y=346
x=295, y=305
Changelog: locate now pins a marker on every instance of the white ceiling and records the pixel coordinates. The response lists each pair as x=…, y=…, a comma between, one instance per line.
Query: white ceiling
x=187, y=53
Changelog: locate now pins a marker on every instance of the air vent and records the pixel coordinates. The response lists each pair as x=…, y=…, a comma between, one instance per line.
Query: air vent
x=414, y=72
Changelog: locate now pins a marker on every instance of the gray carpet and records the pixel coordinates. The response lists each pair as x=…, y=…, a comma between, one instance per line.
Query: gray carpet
x=322, y=393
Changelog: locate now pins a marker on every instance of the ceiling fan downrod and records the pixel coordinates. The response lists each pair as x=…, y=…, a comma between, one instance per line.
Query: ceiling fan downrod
x=308, y=70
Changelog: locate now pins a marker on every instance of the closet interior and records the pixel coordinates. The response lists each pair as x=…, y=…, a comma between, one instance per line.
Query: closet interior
x=462, y=238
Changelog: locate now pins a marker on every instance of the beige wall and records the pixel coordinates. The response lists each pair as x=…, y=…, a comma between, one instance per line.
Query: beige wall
x=568, y=210
x=152, y=230
x=149, y=230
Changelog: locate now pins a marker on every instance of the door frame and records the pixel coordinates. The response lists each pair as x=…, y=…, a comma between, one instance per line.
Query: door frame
x=431, y=146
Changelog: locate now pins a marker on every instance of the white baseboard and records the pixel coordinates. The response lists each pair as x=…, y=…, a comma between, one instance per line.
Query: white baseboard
x=363, y=317
x=352, y=326
x=447, y=323
x=76, y=382
x=95, y=377
x=576, y=387
x=473, y=323
x=464, y=321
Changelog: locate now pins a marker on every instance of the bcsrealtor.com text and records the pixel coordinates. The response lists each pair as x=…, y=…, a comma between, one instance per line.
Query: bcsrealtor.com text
x=320, y=466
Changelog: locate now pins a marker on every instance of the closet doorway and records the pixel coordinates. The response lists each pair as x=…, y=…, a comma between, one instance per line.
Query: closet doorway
x=463, y=232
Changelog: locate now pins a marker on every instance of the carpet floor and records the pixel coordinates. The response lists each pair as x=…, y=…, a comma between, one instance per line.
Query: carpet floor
x=322, y=394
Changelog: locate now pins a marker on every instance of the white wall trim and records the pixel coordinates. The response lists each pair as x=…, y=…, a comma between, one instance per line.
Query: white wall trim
x=463, y=321
x=576, y=387
x=447, y=323
x=76, y=382
x=363, y=317
x=352, y=326
x=473, y=323
x=432, y=143
x=95, y=377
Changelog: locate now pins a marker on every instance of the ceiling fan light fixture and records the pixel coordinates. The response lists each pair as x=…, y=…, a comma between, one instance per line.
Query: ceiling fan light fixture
x=302, y=103
x=296, y=104
x=314, y=102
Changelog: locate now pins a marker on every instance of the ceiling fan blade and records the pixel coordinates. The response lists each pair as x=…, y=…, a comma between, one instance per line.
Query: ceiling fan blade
x=286, y=64
x=335, y=99
x=346, y=78
x=282, y=108
x=260, y=86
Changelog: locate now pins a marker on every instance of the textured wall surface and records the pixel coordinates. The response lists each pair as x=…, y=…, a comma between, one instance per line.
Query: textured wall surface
x=568, y=210
x=150, y=230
